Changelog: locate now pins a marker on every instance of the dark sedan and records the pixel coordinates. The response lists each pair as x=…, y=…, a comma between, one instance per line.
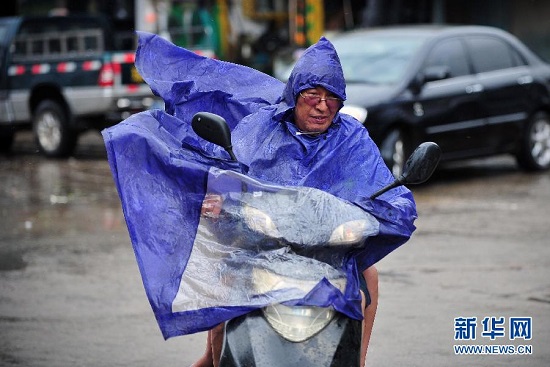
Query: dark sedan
x=476, y=91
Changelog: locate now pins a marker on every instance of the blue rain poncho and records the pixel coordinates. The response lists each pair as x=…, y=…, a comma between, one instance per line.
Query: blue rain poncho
x=163, y=171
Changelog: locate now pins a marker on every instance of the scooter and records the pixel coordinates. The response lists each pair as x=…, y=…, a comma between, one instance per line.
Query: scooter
x=301, y=247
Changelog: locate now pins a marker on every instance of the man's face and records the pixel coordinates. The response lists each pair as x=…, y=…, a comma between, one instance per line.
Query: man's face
x=315, y=109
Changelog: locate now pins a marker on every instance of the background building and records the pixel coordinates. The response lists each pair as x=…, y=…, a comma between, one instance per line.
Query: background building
x=251, y=31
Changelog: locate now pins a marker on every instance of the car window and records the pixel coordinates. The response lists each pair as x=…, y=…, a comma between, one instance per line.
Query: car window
x=52, y=38
x=376, y=59
x=450, y=53
x=3, y=31
x=491, y=53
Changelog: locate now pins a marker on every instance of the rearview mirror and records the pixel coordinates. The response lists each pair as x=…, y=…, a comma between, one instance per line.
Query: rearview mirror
x=421, y=164
x=213, y=128
x=418, y=169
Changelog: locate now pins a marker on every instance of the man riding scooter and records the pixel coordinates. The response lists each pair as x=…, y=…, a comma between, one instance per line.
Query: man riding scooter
x=287, y=135
x=303, y=140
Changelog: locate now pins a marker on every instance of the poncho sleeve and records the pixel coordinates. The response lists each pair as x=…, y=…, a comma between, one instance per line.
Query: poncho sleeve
x=189, y=83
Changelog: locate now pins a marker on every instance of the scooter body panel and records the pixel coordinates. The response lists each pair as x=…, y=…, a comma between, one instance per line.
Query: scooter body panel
x=250, y=341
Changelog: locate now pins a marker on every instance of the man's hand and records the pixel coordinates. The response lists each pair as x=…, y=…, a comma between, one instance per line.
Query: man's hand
x=212, y=206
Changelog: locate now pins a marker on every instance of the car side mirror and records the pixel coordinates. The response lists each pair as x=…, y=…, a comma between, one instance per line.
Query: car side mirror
x=430, y=74
x=433, y=73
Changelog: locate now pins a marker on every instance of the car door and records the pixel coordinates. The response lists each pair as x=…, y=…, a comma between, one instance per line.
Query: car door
x=505, y=79
x=449, y=108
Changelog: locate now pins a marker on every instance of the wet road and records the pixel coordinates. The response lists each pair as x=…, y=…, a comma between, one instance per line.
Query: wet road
x=70, y=292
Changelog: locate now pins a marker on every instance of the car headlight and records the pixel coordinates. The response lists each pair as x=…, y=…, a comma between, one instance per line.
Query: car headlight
x=259, y=221
x=349, y=232
x=360, y=113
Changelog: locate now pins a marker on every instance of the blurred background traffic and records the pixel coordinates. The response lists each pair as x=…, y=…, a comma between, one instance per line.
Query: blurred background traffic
x=251, y=32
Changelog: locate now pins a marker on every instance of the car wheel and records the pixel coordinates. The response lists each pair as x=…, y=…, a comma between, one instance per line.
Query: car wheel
x=534, y=154
x=52, y=134
x=395, y=150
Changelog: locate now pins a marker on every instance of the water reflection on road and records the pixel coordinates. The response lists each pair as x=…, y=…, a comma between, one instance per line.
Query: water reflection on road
x=57, y=196
x=42, y=197
x=70, y=289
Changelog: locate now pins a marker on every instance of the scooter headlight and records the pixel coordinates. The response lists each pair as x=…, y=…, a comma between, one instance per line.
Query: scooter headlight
x=297, y=323
x=349, y=232
x=259, y=221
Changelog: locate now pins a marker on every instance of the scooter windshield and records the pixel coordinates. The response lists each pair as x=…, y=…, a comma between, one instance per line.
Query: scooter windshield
x=272, y=244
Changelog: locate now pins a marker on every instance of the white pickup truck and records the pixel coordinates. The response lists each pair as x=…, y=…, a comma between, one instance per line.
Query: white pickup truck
x=61, y=76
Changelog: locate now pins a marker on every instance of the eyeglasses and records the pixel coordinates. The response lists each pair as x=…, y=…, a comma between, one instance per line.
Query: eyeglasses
x=314, y=99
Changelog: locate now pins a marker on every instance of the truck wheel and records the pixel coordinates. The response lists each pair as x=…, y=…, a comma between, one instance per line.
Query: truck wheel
x=51, y=131
x=395, y=149
x=534, y=154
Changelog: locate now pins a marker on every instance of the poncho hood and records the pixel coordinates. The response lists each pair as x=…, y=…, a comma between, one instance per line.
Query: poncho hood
x=319, y=65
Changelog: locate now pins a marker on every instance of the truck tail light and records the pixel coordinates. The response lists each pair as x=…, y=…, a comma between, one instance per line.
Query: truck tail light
x=108, y=73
